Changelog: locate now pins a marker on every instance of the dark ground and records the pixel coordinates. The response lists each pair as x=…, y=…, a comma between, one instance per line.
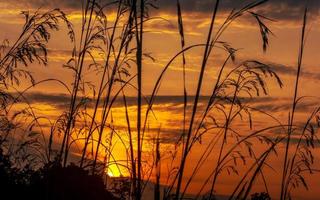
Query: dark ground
x=51, y=182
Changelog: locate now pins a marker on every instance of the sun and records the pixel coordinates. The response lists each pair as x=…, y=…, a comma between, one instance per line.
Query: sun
x=110, y=174
x=113, y=171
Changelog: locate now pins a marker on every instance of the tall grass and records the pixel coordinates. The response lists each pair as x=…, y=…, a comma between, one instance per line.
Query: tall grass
x=225, y=84
x=296, y=165
x=30, y=47
x=139, y=42
x=203, y=66
x=294, y=105
x=78, y=68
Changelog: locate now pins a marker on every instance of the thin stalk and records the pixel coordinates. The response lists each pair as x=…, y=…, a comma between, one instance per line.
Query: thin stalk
x=65, y=142
x=224, y=141
x=203, y=67
x=139, y=40
x=293, y=160
x=106, y=106
x=158, y=168
x=294, y=104
x=100, y=87
x=185, y=95
x=132, y=158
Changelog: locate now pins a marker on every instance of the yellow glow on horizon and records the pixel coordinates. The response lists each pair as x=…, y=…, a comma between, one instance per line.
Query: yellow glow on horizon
x=114, y=171
x=110, y=173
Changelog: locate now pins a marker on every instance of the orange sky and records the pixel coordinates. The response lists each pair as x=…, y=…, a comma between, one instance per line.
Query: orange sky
x=162, y=40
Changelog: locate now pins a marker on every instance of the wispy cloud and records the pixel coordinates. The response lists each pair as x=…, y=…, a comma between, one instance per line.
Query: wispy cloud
x=266, y=103
x=291, y=71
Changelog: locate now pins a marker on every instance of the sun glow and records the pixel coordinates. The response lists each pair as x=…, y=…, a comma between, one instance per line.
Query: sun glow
x=114, y=171
x=109, y=173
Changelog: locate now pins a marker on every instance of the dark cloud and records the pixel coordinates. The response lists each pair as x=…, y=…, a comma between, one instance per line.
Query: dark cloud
x=63, y=4
x=266, y=103
x=175, y=103
x=292, y=71
x=276, y=9
x=61, y=100
x=280, y=105
x=56, y=100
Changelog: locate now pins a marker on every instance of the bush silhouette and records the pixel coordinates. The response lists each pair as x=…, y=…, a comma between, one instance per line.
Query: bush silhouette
x=51, y=182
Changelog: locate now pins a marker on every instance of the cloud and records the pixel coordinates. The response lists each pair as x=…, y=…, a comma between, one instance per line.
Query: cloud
x=285, y=104
x=277, y=9
x=292, y=71
x=266, y=103
x=55, y=100
x=69, y=4
x=59, y=100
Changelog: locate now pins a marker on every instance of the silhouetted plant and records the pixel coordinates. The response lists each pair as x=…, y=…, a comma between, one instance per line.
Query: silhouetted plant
x=30, y=47
x=260, y=196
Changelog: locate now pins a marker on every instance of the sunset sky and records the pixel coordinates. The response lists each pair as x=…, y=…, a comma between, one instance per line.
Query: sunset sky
x=163, y=42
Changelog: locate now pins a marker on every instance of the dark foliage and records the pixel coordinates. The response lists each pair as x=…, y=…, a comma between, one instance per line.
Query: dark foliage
x=52, y=182
x=260, y=196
